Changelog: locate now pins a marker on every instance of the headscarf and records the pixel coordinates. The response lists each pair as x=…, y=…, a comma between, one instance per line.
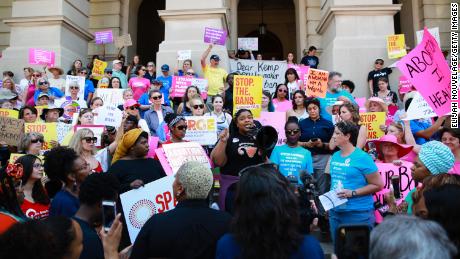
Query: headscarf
x=175, y=121
x=126, y=142
x=437, y=157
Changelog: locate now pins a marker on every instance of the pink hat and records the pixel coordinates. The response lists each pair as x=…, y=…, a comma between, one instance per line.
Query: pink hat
x=129, y=103
x=402, y=149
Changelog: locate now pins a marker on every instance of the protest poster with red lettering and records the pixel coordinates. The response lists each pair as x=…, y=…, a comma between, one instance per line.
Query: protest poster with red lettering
x=41, y=57
x=179, y=153
x=141, y=204
x=180, y=83
x=247, y=94
x=372, y=122
x=49, y=131
x=201, y=129
x=428, y=71
x=316, y=85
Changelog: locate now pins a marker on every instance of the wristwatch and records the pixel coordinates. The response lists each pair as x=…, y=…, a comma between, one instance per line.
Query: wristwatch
x=353, y=194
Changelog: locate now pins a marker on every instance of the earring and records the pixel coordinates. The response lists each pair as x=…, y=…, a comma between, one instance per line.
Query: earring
x=74, y=187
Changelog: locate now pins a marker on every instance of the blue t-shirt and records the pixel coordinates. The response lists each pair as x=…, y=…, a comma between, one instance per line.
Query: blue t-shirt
x=228, y=248
x=291, y=160
x=89, y=88
x=144, y=100
x=64, y=204
x=329, y=100
x=52, y=91
x=419, y=125
x=352, y=171
x=167, y=83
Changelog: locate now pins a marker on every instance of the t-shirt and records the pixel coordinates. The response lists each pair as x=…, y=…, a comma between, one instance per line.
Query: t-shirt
x=351, y=171
x=7, y=220
x=329, y=100
x=35, y=210
x=241, y=152
x=293, y=86
x=89, y=88
x=374, y=75
x=455, y=169
x=419, y=125
x=92, y=244
x=139, y=86
x=122, y=77
x=167, y=83
x=283, y=106
x=321, y=128
x=52, y=91
x=311, y=61
x=291, y=160
x=64, y=204
x=216, y=77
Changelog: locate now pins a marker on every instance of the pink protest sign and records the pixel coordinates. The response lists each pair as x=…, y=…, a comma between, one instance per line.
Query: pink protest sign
x=215, y=36
x=277, y=121
x=103, y=37
x=301, y=71
x=426, y=68
x=41, y=57
x=392, y=109
x=153, y=144
x=361, y=103
x=404, y=85
x=180, y=84
x=163, y=161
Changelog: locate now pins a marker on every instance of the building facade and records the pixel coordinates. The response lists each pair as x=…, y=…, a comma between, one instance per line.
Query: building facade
x=349, y=34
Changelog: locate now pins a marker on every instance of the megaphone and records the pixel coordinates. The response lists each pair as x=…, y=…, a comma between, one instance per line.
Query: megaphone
x=266, y=138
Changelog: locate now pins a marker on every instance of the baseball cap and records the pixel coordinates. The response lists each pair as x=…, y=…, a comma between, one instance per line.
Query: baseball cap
x=116, y=61
x=165, y=67
x=129, y=103
x=43, y=94
x=215, y=57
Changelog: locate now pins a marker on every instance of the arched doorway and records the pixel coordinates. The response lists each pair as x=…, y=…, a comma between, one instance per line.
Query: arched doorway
x=150, y=29
x=269, y=45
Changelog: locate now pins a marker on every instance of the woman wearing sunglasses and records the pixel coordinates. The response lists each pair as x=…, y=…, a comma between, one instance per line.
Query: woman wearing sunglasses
x=44, y=87
x=31, y=143
x=155, y=116
x=131, y=107
x=177, y=126
x=84, y=143
x=197, y=106
x=184, y=108
x=281, y=99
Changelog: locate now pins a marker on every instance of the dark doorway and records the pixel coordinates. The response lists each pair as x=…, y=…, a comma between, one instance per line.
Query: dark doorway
x=150, y=29
x=269, y=45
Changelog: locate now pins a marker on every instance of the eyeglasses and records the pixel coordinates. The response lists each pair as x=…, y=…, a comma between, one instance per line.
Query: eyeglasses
x=157, y=97
x=34, y=141
x=292, y=132
x=38, y=166
x=201, y=106
x=182, y=127
x=90, y=140
x=74, y=87
x=282, y=91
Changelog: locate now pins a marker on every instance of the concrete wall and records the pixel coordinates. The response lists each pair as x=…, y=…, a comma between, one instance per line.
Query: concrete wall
x=436, y=13
x=5, y=13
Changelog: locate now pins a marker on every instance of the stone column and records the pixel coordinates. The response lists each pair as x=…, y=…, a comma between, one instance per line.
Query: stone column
x=58, y=25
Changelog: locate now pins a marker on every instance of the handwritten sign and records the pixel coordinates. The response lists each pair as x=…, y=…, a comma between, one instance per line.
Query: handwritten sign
x=141, y=204
x=98, y=69
x=80, y=80
x=396, y=46
x=62, y=129
x=248, y=43
x=41, y=57
x=433, y=31
x=247, y=94
x=201, y=129
x=404, y=85
x=9, y=113
x=49, y=131
x=272, y=72
x=103, y=37
x=180, y=84
x=123, y=41
x=317, y=82
x=108, y=115
x=110, y=95
x=419, y=109
x=428, y=71
x=98, y=130
x=277, y=120
x=372, y=122
x=215, y=36
x=179, y=153
x=184, y=54
x=11, y=130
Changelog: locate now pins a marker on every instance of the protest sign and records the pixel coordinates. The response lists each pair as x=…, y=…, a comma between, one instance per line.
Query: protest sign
x=98, y=130
x=62, y=130
x=184, y=54
x=98, y=69
x=81, y=84
x=248, y=43
x=41, y=57
x=160, y=153
x=302, y=71
x=103, y=37
x=433, y=31
x=247, y=94
x=123, y=41
x=108, y=115
x=179, y=153
x=14, y=157
x=215, y=36
x=153, y=144
x=361, y=101
x=419, y=109
x=372, y=122
x=429, y=73
x=180, y=84
x=110, y=95
x=271, y=71
x=396, y=46
x=201, y=129
x=392, y=109
x=11, y=130
x=70, y=107
x=316, y=84
x=140, y=204
x=49, y=131
x=9, y=113
x=404, y=85
x=277, y=120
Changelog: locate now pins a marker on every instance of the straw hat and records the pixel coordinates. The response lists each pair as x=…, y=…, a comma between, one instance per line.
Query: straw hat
x=377, y=100
x=61, y=72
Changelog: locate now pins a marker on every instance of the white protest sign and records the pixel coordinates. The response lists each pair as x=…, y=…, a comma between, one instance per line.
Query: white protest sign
x=433, y=31
x=248, y=43
x=81, y=84
x=184, y=54
x=62, y=129
x=110, y=95
x=108, y=116
x=419, y=109
x=179, y=153
x=140, y=204
x=201, y=129
x=123, y=41
x=271, y=71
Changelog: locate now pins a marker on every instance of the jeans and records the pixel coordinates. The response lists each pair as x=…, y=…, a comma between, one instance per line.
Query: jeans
x=337, y=218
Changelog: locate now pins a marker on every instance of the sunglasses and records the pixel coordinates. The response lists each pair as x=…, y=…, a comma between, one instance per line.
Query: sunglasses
x=292, y=132
x=378, y=63
x=90, y=140
x=132, y=108
x=34, y=141
x=190, y=74
x=201, y=106
x=36, y=75
x=74, y=87
x=182, y=127
x=158, y=97
x=282, y=91
x=42, y=83
x=109, y=72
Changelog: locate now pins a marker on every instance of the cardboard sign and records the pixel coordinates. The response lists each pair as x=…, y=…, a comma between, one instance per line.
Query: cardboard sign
x=179, y=153
x=81, y=83
x=247, y=94
x=110, y=95
x=109, y=116
x=433, y=31
x=248, y=43
x=9, y=113
x=140, y=204
x=98, y=130
x=98, y=69
x=201, y=129
x=316, y=85
x=419, y=109
x=404, y=85
x=272, y=72
x=184, y=54
x=41, y=57
x=428, y=71
x=396, y=46
x=11, y=130
x=49, y=131
x=215, y=36
x=277, y=120
x=103, y=37
x=302, y=71
x=180, y=84
x=123, y=41
x=372, y=121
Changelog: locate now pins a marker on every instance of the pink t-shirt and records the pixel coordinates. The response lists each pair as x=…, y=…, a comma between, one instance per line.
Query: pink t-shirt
x=283, y=106
x=455, y=169
x=30, y=95
x=139, y=86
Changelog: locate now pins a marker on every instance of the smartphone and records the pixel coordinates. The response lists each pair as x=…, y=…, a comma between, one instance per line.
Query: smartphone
x=109, y=210
x=352, y=241
x=396, y=189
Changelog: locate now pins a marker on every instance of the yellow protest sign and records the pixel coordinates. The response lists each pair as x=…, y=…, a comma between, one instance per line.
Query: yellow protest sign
x=247, y=94
x=15, y=156
x=98, y=69
x=9, y=113
x=317, y=83
x=372, y=121
x=49, y=131
x=396, y=46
